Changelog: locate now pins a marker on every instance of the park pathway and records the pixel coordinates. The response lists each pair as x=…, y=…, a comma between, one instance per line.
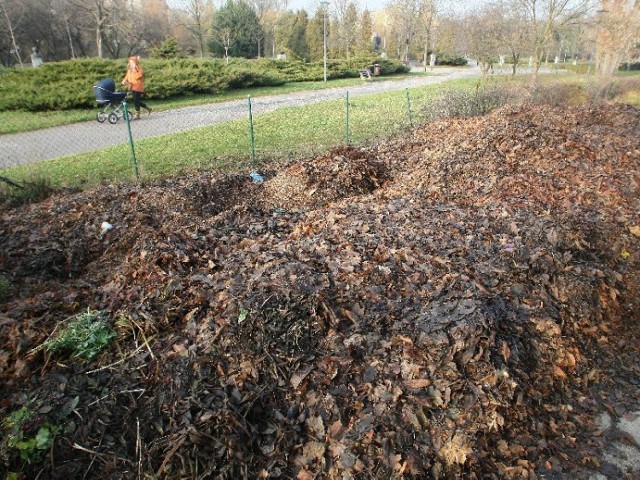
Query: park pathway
x=45, y=144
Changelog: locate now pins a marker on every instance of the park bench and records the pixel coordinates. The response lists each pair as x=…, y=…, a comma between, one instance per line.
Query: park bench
x=365, y=74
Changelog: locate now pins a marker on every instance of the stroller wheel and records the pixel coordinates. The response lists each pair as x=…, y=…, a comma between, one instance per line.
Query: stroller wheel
x=129, y=115
x=113, y=118
x=102, y=116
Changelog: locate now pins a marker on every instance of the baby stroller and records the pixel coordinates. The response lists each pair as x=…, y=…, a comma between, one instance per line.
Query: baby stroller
x=112, y=102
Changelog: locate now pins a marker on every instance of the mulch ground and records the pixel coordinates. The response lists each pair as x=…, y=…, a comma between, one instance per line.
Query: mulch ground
x=461, y=302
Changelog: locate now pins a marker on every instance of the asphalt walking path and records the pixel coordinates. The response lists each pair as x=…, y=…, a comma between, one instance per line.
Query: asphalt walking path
x=45, y=144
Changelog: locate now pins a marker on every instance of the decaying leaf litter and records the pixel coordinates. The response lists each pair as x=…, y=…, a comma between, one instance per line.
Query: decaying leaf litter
x=455, y=303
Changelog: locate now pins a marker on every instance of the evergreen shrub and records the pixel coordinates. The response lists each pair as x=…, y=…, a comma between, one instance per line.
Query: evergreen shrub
x=629, y=66
x=447, y=60
x=68, y=85
x=242, y=74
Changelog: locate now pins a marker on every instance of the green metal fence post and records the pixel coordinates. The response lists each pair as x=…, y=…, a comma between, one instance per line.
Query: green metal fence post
x=253, y=144
x=409, y=109
x=133, y=151
x=348, y=131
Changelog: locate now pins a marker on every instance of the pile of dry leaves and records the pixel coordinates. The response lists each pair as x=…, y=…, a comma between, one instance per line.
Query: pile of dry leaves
x=458, y=303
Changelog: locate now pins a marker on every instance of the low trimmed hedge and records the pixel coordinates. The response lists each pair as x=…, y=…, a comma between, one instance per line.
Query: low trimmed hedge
x=68, y=85
x=446, y=60
x=629, y=66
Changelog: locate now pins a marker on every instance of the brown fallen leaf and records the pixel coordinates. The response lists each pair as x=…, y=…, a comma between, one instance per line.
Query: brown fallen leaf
x=559, y=373
x=417, y=383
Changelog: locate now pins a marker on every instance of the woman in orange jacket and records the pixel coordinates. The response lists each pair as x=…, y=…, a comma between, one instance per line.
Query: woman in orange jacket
x=134, y=80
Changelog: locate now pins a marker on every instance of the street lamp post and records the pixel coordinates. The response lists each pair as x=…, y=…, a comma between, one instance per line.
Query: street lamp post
x=324, y=36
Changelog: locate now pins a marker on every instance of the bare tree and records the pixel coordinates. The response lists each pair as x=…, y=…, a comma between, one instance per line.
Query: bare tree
x=99, y=11
x=407, y=18
x=546, y=17
x=60, y=7
x=618, y=31
x=126, y=33
x=154, y=19
x=444, y=34
x=345, y=18
x=268, y=12
x=72, y=24
x=511, y=33
x=225, y=35
x=483, y=36
x=365, y=32
x=350, y=29
x=427, y=21
x=123, y=27
x=8, y=12
x=198, y=21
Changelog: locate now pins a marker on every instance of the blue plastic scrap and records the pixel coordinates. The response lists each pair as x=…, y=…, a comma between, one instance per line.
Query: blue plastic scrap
x=256, y=177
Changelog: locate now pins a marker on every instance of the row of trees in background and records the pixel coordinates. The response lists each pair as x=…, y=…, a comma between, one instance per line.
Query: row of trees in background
x=606, y=31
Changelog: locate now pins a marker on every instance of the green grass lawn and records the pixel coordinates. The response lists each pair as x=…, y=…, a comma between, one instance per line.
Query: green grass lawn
x=628, y=73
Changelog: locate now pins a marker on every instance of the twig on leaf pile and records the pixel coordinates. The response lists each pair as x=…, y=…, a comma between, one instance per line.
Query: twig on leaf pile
x=51, y=458
x=239, y=415
x=98, y=400
x=106, y=456
x=168, y=456
x=135, y=390
x=122, y=360
x=257, y=396
x=42, y=344
x=144, y=338
x=138, y=447
x=217, y=335
x=276, y=367
x=93, y=459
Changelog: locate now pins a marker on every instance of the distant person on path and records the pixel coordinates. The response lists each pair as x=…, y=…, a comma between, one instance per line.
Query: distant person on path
x=134, y=81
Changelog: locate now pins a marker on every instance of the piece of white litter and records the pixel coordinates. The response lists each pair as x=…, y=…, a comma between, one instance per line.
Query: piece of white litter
x=106, y=226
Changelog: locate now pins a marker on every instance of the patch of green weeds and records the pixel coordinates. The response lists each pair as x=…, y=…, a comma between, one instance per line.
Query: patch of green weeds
x=32, y=449
x=30, y=191
x=24, y=434
x=84, y=336
x=4, y=288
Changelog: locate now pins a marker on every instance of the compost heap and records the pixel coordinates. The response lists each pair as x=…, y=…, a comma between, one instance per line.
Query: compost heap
x=456, y=303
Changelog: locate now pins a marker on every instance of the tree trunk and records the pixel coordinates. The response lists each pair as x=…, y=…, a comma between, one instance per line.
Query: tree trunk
x=73, y=52
x=201, y=44
x=427, y=46
x=607, y=64
x=619, y=26
x=10, y=27
x=406, y=49
x=100, y=17
x=99, y=40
